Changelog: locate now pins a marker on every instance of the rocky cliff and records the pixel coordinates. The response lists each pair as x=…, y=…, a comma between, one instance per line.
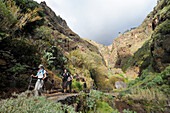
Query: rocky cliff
x=154, y=54
x=128, y=43
x=125, y=45
x=131, y=50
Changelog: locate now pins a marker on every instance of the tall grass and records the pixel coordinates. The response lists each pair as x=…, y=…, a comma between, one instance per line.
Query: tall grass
x=147, y=94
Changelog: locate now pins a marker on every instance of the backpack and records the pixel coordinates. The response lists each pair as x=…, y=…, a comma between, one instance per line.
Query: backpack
x=46, y=75
x=65, y=77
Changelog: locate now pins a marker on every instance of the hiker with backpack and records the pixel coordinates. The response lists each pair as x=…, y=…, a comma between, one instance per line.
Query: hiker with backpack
x=65, y=80
x=41, y=75
x=70, y=78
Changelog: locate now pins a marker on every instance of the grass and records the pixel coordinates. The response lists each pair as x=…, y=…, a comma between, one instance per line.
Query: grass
x=147, y=94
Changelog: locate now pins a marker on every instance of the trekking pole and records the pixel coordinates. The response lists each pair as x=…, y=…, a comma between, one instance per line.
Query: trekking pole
x=30, y=83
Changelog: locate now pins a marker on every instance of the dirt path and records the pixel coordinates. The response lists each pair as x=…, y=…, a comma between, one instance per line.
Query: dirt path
x=59, y=96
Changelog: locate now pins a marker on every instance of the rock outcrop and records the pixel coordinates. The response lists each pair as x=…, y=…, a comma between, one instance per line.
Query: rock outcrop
x=128, y=43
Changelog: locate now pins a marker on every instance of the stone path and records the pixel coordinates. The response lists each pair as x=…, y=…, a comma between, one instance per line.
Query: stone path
x=59, y=96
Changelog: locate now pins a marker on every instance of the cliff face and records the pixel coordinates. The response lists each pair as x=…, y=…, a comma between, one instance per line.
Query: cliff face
x=160, y=47
x=124, y=46
x=154, y=53
x=132, y=51
x=128, y=43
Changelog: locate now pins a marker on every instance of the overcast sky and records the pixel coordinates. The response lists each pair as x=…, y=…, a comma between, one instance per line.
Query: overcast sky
x=101, y=20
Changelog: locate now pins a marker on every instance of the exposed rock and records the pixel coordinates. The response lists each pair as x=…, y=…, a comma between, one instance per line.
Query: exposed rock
x=120, y=85
x=56, y=21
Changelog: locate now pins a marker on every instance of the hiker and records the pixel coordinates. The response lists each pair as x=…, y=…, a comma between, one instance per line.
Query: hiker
x=41, y=75
x=65, y=79
x=69, y=82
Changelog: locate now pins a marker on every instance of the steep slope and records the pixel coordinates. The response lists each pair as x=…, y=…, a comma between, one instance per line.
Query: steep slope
x=123, y=47
x=131, y=50
x=128, y=43
x=160, y=47
x=83, y=58
x=154, y=54
x=51, y=43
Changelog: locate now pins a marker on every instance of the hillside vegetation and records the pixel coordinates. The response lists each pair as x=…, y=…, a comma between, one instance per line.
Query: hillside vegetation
x=32, y=34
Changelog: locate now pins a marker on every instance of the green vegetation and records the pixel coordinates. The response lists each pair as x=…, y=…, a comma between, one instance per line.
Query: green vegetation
x=53, y=58
x=93, y=63
x=13, y=19
x=37, y=19
x=141, y=58
x=24, y=104
x=157, y=80
x=128, y=111
x=30, y=56
x=77, y=86
x=8, y=18
x=149, y=89
x=18, y=68
x=96, y=101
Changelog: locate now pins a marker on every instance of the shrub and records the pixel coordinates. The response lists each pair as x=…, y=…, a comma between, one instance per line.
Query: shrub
x=24, y=52
x=96, y=101
x=7, y=19
x=164, y=74
x=158, y=80
x=17, y=69
x=103, y=107
x=165, y=88
x=23, y=104
x=53, y=58
x=77, y=85
x=13, y=19
x=27, y=6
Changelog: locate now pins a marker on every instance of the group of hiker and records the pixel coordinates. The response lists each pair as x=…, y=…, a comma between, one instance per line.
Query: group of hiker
x=42, y=75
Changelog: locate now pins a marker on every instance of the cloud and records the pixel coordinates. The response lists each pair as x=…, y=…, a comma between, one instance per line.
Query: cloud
x=101, y=20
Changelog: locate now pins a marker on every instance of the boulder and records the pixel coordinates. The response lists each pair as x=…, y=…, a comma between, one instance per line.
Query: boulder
x=120, y=85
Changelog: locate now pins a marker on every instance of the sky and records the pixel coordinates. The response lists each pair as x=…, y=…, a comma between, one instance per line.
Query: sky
x=101, y=20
